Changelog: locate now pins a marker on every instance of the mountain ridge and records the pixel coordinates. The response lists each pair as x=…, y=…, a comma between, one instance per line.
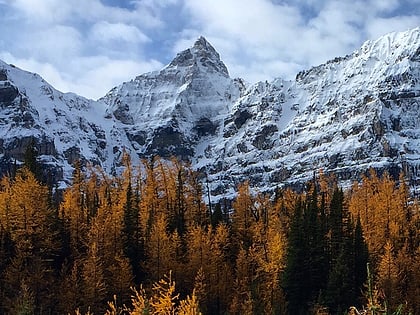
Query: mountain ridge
x=343, y=116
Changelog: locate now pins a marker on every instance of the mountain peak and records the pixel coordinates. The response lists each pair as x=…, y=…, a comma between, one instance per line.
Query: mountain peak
x=202, y=44
x=394, y=46
x=202, y=54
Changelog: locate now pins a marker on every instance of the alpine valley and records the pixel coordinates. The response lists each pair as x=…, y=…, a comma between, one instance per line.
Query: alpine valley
x=350, y=114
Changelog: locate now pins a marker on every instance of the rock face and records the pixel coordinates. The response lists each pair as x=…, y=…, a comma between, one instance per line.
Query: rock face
x=169, y=111
x=345, y=116
x=63, y=127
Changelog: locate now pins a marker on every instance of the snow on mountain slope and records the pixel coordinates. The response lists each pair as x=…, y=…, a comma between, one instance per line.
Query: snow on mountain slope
x=344, y=116
x=165, y=112
x=65, y=127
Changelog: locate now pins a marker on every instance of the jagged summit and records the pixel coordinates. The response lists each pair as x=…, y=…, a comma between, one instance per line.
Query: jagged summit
x=344, y=116
x=201, y=54
x=196, y=83
x=168, y=111
x=393, y=47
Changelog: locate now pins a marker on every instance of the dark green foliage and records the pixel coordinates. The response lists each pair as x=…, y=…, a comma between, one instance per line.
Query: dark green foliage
x=133, y=245
x=340, y=289
x=30, y=160
x=326, y=256
x=6, y=254
x=348, y=252
x=316, y=243
x=295, y=274
x=73, y=264
x=336, y=224
x=361, y=256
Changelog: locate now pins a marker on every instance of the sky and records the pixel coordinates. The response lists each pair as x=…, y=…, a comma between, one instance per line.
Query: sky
x=90, y=46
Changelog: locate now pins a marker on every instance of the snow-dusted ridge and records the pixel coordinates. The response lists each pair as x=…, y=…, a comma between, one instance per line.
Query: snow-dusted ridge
x=65, y=126
x=344, y=116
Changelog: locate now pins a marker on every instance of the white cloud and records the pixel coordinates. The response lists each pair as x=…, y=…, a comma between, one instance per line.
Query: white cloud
x=69, y=11
x=82, y=46
x=380, y=26
x=281, y=37
x=46, y=70
x=250, y=21
x=91, y=76
x=101, y=74
x=89, y=46
x=56, y=44
x=105, y=31
x=154, y=3
x=44, y=11
x=385, y=5
x=274, y=36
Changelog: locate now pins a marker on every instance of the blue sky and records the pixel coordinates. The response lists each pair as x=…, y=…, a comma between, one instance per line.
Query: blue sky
x=90, y=46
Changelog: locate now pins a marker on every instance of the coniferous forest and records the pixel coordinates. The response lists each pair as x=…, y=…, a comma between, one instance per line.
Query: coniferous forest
x=146, y=242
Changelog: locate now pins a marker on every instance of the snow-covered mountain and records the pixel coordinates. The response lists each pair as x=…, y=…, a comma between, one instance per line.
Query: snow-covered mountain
x=167, y=112
x=64, y=126
x=349, y=114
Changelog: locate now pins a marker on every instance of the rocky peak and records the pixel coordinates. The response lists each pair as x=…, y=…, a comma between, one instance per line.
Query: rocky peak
x=392, y=47
x=202, y=56
x=344, y=116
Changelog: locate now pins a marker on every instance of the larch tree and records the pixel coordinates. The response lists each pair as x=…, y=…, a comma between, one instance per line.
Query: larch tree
x=160, y=251
x=388, y=276
x=74, y=212
x=149, y=203
x=199, y=253
x=197, y=211
x=94, y=286
x=242, y=301
x=70, y=288
x=28, y=220
x=220, y=273
x=243, y=216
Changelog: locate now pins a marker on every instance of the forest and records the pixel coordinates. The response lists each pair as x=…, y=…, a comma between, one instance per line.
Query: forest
x=148, y=242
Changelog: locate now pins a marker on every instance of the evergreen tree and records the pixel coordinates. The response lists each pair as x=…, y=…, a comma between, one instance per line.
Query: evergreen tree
x=361, y=258
x=316, y=262
x=340, y=289
x=217, y=216
x=6, y=255
x=30, y=160
x=295, y=275
x=133, y=245
x=336, y=224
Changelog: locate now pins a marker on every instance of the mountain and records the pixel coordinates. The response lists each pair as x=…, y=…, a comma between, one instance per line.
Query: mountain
x=344, y=116
x=63, y=126
x=167, y=112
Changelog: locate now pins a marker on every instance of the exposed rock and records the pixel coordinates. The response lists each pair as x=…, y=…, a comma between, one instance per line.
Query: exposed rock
x=262, y=140
x=15, y=148
x=240, y=117
x=3, y=75
x=138, y=137
x=204, y=127
x=72, y=155
x=8, y=93
x=167, y=142
x=343, y=116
